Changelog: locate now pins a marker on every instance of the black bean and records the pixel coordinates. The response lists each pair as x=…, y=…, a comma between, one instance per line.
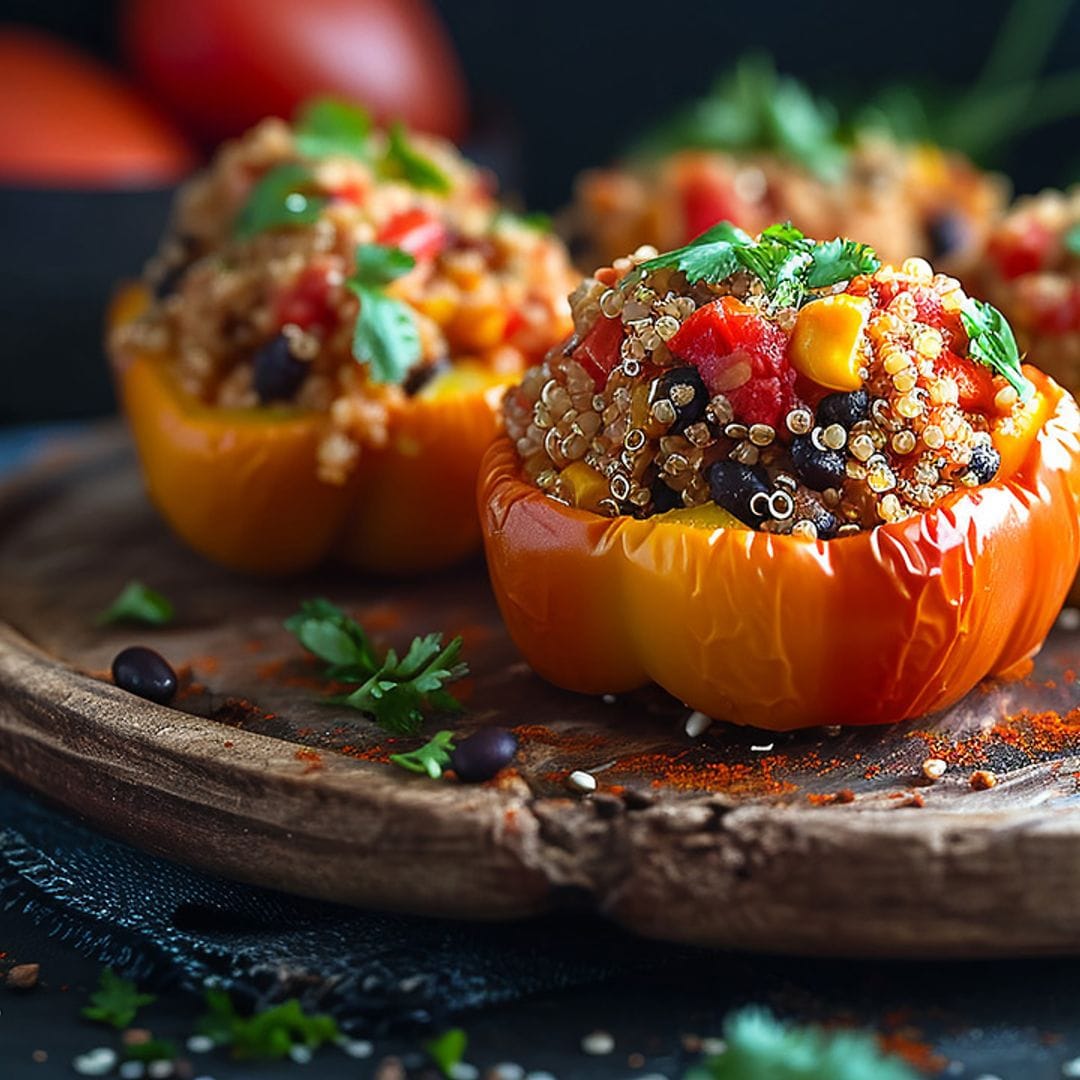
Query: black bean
x=278, y=374
x=483, y=754
x=947, y=231
x=663, y=498
x=843, y=409
x=733, y=487
x=985, y=462
x=146, y=673
x=421, y=374
x=689, y=412
x=816, y=468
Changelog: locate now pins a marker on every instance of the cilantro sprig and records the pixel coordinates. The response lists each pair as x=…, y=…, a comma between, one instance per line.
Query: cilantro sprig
x=327, y=126
x=991, y=340
x=789, y=264
x=431, y=758
x=447, y=1050
x=759, y=1045
x=385, y=337
x=404, y=162
x=396, y=692
x=756, y=109
x=270, y=1034
x=284, y=197
x=116, y=1001
x=138, y=603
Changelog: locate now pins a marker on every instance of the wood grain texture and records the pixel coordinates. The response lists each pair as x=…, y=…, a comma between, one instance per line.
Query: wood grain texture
x=719, y=841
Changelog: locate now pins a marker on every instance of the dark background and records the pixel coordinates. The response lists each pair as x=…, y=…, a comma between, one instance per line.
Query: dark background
x=555, y=87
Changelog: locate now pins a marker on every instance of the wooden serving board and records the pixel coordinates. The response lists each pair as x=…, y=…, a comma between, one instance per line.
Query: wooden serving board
x=733, y=839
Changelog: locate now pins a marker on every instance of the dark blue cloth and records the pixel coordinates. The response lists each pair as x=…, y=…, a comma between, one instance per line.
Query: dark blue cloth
x=163, y=923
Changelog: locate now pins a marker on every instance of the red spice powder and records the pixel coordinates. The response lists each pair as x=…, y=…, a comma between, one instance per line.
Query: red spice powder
x=311, y=758
x=757, y=778
x=907, y=1044
x=207, y=665
x=570, y=742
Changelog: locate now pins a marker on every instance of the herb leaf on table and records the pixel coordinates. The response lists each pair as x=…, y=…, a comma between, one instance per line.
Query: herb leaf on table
x=447, y=1050
x=431, y=758
x=760, y=1046
x=397, y=693
x=116, y=1000
x=138, y=603
x=270, y=1034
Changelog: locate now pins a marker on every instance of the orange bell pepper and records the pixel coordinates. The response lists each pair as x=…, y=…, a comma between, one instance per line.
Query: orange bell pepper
x=783, y=632
x=240, y=486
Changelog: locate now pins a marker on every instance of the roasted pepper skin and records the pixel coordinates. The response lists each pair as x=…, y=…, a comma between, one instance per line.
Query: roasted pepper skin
x=240, y=486
x=781, y=632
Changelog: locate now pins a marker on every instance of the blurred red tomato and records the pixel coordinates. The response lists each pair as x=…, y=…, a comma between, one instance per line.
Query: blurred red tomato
x=222, y=65
x=67, y=121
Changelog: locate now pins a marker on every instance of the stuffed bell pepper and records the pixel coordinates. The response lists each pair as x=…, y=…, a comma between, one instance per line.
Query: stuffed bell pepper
x=787, y=483
x=313, y=364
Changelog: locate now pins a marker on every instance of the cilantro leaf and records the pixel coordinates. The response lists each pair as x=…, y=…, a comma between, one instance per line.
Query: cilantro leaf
x=151, y=1050
x=1072, y=240
x=756, y=109
x=760, y=1046
x=281, y=198
x=328, y=126
x=138, y=603
x=385, y=336
x=991, y=340
x=269, y=1034
x=447, y=1050
x=396, y=692
x=839, y=260
x=786, y=262
x=116, y=1000
x=403, y=161
x=431, y=758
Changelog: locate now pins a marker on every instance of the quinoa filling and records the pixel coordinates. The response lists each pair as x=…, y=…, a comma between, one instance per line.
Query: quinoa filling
x=334, y=268
x=771, y=383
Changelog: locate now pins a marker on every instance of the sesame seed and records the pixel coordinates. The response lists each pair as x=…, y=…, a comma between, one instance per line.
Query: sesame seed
x=598, y=1043
x=697, y=723
x=582, y=780
x=934, y=768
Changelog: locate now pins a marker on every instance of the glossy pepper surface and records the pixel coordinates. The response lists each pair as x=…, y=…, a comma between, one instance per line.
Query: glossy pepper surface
x=782, y=632
x=240, y=486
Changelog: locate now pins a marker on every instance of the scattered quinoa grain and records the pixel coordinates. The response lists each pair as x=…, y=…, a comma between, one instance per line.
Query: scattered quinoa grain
x=583, y=781
x=982, y=780
x=598, y=1043
x=934, y=768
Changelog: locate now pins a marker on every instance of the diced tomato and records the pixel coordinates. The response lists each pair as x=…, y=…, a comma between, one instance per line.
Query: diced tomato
x=416, y=231
x=741, y=355
x=1062, y=317
x=306, y=303
x=352, y=191
x=598, y=352
x=1018, y=253
x=974, y=380
x=705, y=202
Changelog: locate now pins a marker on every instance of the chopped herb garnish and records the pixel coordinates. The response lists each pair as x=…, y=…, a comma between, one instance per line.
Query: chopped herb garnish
x=327, y=126
x=535, y=219
x=1072, y=240
x=151, y=1050
x=991, y=340
x=754, y=108
x=282, y=198
x=115, y=1001
x=269, y=1034
x=760, y=1046
x=403, y=161
x=385, y=338
x=447, y=1050
x=432, y=758
x=395, y=692
x=138, y=603
x=787, y=263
